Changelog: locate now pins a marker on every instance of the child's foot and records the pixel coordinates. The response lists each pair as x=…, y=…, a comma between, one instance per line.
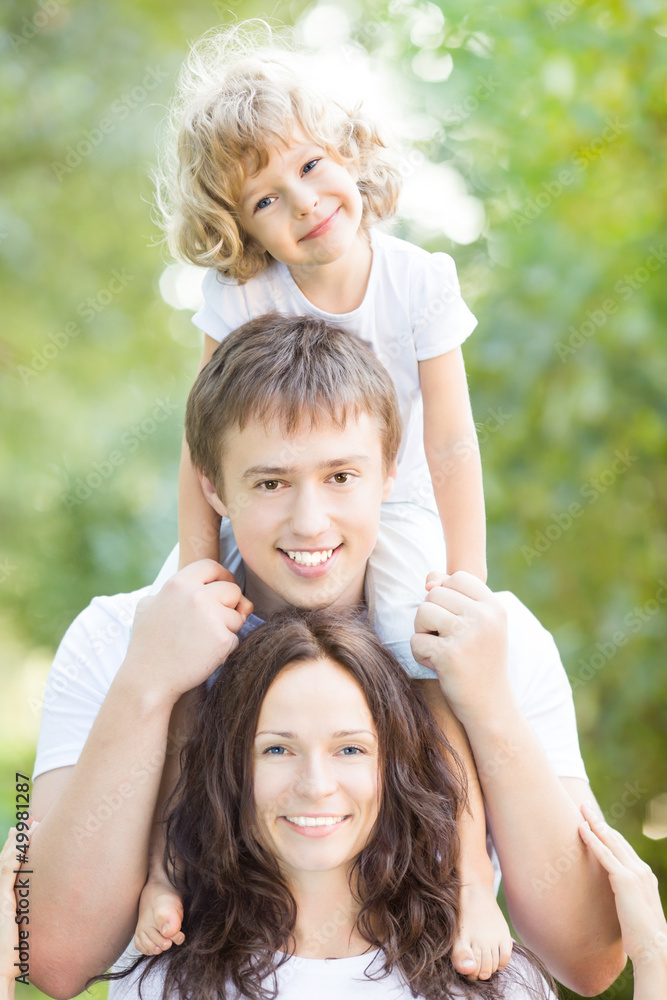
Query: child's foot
x=483, y=943
x=160, y=919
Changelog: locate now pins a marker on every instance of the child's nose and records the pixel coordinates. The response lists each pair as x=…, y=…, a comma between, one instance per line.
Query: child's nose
x=304, y=202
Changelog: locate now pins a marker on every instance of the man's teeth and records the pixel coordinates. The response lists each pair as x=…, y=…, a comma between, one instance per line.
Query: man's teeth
x=314, y=820
x=310, y=558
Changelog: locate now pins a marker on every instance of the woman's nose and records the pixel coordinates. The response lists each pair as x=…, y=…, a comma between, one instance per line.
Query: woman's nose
x=315, y=780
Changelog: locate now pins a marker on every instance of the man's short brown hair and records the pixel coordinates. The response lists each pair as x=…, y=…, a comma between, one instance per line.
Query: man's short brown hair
x=288, y=368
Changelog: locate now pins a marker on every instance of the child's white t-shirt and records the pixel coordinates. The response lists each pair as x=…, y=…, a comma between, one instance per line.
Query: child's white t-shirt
x=412, y=311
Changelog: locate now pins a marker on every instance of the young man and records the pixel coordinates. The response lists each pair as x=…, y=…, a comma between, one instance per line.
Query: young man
x=301, y=466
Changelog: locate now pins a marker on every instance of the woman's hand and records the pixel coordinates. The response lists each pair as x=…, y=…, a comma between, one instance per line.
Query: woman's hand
x=9, y=937
x=640, y=914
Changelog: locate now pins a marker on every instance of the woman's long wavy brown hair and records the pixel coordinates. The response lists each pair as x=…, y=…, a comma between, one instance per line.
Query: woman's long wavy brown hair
x=239, y=911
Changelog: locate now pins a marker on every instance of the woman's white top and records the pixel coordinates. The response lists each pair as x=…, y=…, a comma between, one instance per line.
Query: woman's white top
x=335, y=979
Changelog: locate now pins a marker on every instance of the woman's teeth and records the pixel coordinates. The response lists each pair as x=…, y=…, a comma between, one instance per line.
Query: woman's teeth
x=310, y=558
x=314, y=820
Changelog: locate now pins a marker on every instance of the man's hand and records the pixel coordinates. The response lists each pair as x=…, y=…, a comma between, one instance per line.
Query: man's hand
x=181, y=635
x=461, y=633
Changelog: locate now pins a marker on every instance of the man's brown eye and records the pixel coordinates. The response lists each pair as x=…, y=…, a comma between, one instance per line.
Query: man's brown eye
x=341, y=477
x=271, y=484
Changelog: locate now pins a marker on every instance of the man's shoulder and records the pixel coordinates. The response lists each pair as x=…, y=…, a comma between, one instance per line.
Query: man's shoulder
x=533, y=657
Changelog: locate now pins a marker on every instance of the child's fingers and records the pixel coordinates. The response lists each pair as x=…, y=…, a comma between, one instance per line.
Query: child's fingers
x=436, y=579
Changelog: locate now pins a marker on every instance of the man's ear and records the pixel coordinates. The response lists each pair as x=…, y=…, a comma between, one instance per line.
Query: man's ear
x=211, y=494
x=390, y=479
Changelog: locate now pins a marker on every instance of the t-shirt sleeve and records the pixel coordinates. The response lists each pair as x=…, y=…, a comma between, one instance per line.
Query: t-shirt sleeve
x=225, y=307
x=542, y=688
x=441, y=320
x=85, y=664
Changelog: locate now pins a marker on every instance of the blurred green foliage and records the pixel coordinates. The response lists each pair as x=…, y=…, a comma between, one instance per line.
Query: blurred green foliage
x=565, y=147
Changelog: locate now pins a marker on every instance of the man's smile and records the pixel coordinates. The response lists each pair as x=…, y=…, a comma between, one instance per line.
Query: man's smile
x=310, y=562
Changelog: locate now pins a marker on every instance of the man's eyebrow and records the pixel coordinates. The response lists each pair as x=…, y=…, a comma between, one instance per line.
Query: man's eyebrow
x=269, y=471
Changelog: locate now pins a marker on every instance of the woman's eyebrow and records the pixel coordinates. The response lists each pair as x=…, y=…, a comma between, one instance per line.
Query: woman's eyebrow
x=340, y=733
x=352, y=732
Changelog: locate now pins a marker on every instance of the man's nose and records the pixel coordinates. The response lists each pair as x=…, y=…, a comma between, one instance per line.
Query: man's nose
x=309, y=516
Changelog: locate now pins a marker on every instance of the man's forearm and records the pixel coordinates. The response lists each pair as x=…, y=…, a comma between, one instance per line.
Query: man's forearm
x=559, y=897
x=89, y=855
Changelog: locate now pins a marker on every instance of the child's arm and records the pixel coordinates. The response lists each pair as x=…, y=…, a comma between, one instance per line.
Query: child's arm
x=160, y=906
x=483, y=943
x=452, y=452
x=198, y=523
x=640, y=915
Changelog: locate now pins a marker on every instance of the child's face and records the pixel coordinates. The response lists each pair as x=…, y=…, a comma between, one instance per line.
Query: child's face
x=304, y=509
x=304, y=207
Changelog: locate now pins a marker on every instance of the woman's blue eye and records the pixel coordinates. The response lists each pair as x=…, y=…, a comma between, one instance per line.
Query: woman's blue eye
x=355, y=751
x=278, y=753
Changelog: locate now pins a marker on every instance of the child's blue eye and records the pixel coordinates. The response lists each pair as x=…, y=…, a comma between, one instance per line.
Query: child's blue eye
x=262, y=204
x=309, y=166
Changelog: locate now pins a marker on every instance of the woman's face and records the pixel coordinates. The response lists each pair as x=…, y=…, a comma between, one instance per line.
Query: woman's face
x=315, y=766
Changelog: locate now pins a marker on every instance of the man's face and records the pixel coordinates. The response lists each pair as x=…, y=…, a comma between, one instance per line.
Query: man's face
x=304, y=509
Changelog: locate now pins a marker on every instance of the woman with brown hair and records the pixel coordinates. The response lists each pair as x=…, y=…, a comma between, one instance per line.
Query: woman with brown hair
x=312, y=834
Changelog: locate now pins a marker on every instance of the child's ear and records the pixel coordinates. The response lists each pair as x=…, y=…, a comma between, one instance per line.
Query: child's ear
x=389, y=481
x=211, y=494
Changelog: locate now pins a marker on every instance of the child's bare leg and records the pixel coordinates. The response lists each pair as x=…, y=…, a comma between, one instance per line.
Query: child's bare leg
x=160, y=907
x=483, y=943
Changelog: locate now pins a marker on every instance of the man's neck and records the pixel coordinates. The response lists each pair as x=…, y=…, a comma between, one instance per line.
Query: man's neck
x=267, y=602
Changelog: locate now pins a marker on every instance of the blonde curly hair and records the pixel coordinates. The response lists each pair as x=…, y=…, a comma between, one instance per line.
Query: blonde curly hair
x=239, y=95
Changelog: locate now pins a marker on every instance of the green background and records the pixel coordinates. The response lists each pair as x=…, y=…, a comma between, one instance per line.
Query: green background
x=566, y=368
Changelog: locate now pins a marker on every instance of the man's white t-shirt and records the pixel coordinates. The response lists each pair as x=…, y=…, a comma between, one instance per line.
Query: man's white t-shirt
x=95, y=645
x=412, y=311
x=342, y=979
